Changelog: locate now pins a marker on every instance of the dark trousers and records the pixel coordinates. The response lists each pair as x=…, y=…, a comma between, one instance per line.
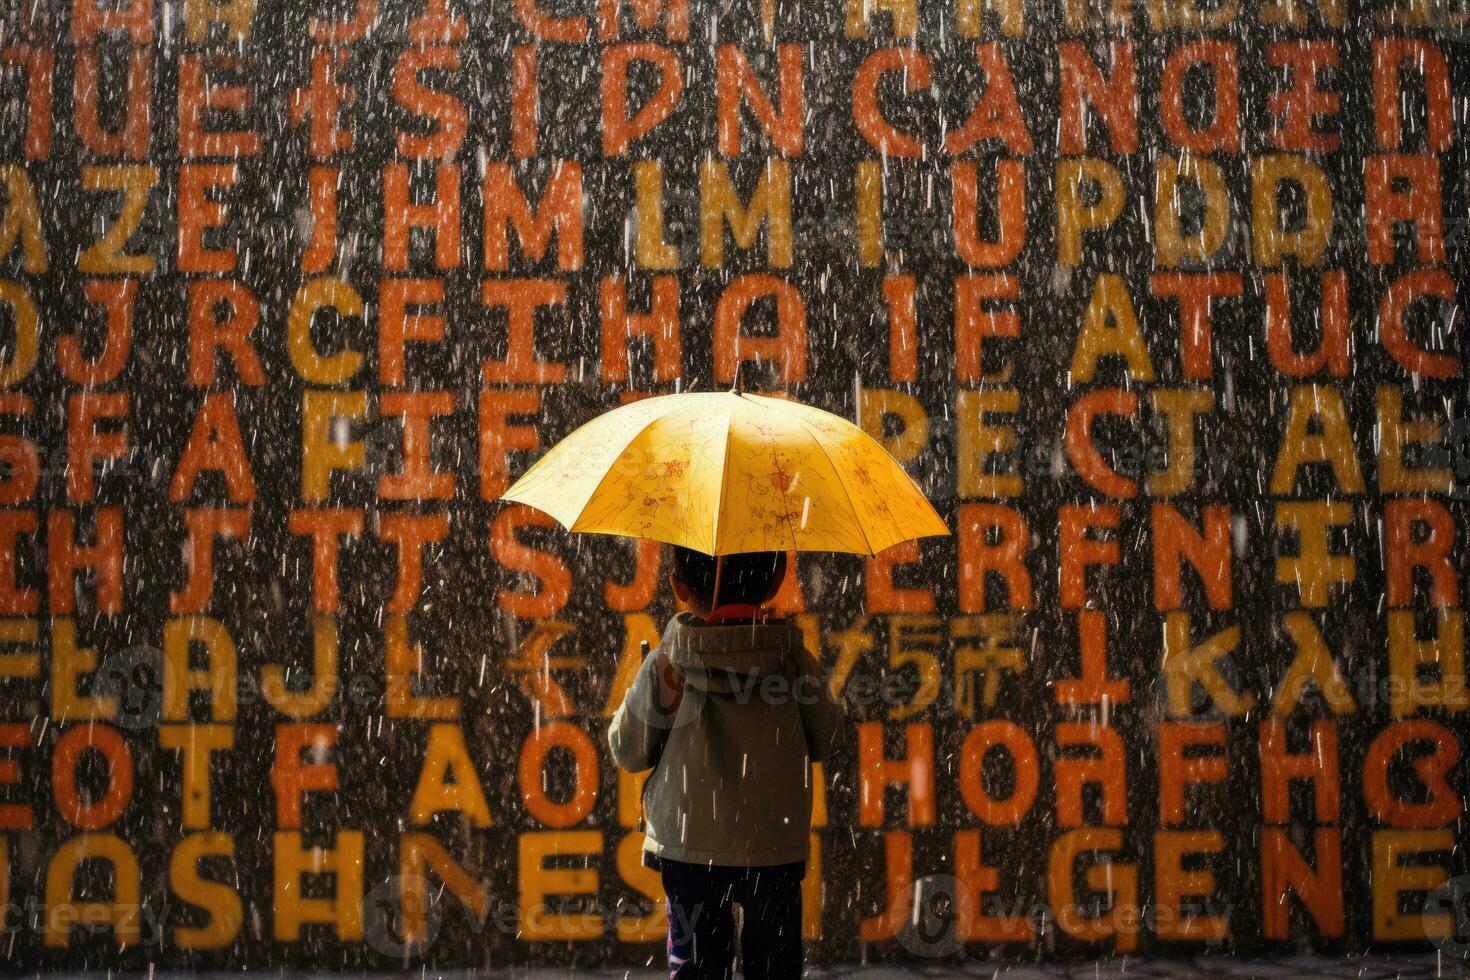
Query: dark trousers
x=702, y=923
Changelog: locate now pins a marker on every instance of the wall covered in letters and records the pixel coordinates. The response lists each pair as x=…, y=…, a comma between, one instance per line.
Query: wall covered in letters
x=1159, y=302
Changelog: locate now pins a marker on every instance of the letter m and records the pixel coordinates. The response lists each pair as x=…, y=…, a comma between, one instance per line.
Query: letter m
x=559, y=212
x=645, y=12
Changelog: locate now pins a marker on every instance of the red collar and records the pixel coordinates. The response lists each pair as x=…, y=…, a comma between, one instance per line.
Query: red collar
x=743, y=612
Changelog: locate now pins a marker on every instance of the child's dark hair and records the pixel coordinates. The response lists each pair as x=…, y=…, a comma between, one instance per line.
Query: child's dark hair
x=745, y=579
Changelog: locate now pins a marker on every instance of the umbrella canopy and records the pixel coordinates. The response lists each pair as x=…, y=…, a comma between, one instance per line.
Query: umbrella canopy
x=729, y=472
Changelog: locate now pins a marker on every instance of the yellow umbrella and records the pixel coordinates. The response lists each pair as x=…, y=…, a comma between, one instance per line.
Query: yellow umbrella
x=729, y=472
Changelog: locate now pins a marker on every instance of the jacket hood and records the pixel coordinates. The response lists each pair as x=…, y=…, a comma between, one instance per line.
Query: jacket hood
x=725, y=657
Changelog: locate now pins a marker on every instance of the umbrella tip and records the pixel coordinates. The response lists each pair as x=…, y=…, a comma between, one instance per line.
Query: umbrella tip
x=739, y=386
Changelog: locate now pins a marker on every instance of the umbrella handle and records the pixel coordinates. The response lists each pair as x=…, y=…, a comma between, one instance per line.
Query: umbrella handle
x=646, y=649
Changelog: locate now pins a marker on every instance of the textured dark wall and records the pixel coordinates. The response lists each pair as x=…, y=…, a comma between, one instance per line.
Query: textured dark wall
x=173, y=369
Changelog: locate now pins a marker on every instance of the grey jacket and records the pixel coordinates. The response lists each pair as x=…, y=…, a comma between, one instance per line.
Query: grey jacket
x=732, y=777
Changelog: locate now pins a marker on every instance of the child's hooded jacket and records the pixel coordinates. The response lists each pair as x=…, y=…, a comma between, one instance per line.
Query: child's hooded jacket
x=732, y=778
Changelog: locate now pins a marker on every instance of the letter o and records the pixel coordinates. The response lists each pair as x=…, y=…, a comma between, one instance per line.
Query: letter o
x=68, y=755
x=559, y=735
x=978, y=744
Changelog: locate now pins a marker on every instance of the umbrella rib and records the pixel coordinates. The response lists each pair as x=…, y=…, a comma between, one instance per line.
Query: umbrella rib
x=840, y=481
x=714, y=543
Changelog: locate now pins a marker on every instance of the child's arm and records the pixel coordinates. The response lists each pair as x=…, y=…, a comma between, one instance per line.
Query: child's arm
x=821, y=714
x=641, y=724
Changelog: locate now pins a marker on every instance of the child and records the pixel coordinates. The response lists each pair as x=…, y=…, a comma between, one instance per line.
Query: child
x=729, y=713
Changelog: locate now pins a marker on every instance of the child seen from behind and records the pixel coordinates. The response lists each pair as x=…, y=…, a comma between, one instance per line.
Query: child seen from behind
x=729, y=712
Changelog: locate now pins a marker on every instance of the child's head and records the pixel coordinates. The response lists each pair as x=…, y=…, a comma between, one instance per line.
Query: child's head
x=751, y=578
